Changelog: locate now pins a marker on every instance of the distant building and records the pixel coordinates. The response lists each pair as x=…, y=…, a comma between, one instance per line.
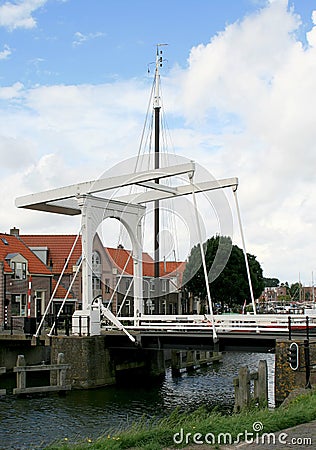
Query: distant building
x=273, y=294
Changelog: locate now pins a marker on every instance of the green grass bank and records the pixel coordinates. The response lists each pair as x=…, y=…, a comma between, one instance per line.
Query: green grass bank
x=204, y=426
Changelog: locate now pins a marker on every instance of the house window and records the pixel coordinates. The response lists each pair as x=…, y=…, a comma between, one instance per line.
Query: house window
x=40, y=303
x=152, y=284
x=107, y=286
x=163, y=285
x=96, y=263
x=18, y=305
x=96, y=276
x=128, y=307
x=96, y=286
x=19, y=269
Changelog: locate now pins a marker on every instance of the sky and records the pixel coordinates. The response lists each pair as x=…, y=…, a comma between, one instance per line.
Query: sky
x=239, y=94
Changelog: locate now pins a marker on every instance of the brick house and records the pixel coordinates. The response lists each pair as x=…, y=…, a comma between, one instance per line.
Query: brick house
x=108, y=265
x=161, y=296
x=25, y=281
x=54, y=250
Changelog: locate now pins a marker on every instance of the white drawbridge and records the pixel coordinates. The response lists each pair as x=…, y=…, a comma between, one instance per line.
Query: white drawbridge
x=129, y=210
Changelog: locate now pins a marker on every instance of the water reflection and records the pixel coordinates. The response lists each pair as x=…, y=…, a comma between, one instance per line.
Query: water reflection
x=34, y=422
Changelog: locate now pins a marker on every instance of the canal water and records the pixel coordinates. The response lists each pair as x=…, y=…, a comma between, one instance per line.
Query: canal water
x=33, y=423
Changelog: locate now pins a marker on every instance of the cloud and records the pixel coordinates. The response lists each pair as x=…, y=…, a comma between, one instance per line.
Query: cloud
x=53, y=136
x=243, y=106
x=19, y=14
x=80, y=38
x=311, y=35
x=6, y=52
x=251, y=90
x=10, y=92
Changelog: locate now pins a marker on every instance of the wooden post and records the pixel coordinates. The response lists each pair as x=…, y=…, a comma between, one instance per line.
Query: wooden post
x=3, y=370
x=242, y=386
x=190, y=359
x=175, y=362
x=242, y=389
x=21, y=376
x=61, y=373
x=261, y=384
x=21, y=369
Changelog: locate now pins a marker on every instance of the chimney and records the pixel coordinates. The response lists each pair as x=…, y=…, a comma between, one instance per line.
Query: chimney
x=15, y=232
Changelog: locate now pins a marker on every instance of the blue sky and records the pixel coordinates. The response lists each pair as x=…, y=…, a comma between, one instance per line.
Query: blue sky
x=239, y=88
x=76, y=41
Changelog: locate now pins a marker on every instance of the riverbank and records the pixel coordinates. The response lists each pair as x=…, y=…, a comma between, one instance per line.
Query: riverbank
x=213, y=429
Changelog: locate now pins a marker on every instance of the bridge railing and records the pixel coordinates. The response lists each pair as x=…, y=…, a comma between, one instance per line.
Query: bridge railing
x=222, y=323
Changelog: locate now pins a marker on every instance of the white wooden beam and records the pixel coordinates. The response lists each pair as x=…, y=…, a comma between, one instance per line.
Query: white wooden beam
x=32, y=201
x=203, y=186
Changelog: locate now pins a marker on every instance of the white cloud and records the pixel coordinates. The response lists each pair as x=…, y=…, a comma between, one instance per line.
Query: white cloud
x=311, y=35
x=254, y=87
x=6, y=52
x=248, y=97
x=10, y=92
x=80, y=38
x=18, y=14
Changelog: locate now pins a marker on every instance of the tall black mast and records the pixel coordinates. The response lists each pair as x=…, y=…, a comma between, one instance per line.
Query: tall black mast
x=157, y=149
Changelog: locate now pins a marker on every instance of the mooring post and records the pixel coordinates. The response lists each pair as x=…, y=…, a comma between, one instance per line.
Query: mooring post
x=261, y=383
x=307, y=364
x=61, y=373
x=3, y=370
x=21, y=376
x=242, y=389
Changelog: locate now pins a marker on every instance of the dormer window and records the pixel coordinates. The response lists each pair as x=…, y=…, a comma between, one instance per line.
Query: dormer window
x=18, y=265
x=19, y=269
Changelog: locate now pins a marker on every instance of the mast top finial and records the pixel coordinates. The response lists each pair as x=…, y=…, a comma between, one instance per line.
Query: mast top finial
x=159, y=61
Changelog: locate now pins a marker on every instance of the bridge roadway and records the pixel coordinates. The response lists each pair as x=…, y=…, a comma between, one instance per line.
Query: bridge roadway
x=234, y=332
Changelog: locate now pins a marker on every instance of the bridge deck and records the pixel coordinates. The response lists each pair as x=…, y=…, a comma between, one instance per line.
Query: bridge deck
x=235, y=331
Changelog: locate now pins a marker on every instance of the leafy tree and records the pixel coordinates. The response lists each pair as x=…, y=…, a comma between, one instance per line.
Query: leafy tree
x=295, y=291
x=271, y=282
x=231, y=285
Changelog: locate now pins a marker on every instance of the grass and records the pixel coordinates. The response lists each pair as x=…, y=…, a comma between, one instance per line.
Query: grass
x=156, y=435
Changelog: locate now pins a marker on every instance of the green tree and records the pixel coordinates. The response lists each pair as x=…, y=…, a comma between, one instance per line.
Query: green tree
x=271, y=282
x=231, y=285
x=295, y=291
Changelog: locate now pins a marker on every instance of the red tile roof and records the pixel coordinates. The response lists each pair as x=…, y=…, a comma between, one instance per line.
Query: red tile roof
x=59, y=246
x=12, y=244
x=61, y=291
x=120, y=257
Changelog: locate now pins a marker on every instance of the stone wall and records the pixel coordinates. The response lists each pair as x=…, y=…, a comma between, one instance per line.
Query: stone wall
x=9, y=351
x=286, y=379
x=90, y=360
x=94, y=365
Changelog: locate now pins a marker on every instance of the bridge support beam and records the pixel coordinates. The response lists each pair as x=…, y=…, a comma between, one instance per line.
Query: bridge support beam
x=94, y=210
x=94, y=365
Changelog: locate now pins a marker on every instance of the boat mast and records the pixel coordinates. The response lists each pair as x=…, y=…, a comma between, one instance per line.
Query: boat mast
x=157, y=107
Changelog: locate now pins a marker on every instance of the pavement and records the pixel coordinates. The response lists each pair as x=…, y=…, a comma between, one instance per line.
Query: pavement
x=299, y=437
